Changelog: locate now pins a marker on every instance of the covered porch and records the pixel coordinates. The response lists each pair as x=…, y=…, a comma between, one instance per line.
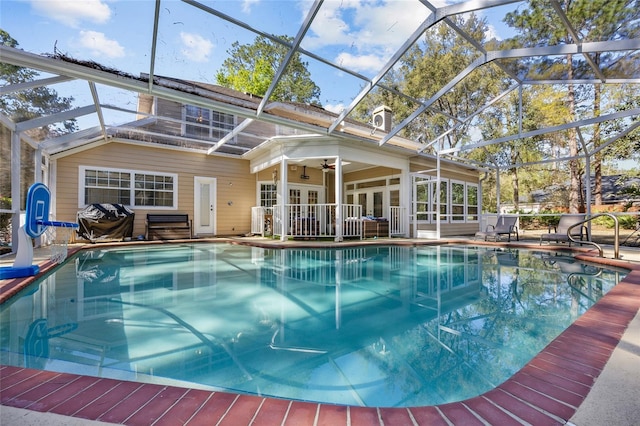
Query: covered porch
x=314, y=188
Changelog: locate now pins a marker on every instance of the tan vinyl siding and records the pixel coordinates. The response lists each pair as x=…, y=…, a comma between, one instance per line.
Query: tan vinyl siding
x=371, y=173
x=315, y=175
x=235, y=192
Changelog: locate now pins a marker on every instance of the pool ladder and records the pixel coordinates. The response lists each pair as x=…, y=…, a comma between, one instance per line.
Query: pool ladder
x=616, y=236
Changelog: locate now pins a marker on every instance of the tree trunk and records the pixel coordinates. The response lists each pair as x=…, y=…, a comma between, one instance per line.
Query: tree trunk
x=574, y=168
x=597, y=158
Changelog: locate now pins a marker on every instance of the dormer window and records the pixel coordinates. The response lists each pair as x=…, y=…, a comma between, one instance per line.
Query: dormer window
x=206, y=123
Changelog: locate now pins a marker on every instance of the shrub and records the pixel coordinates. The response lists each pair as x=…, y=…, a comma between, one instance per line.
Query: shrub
x=547, y=221
x=625, y=222
x=525, y=221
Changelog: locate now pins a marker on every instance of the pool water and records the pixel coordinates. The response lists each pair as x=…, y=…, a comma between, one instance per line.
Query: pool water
x=372, y=326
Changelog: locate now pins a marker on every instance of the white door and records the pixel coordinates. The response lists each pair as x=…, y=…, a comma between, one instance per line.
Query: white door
x=372, y=203
x=204, y=208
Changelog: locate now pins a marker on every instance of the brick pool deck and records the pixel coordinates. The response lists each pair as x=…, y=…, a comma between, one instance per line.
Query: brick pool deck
x=547, y=391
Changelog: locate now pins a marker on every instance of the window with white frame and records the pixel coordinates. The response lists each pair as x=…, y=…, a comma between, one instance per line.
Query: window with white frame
x=129, y=187
x=458, y=193
x=458, y=200
x=268, y=195
x=207, y=123
x=472, y=202
x=443, y=193
x=422, y=199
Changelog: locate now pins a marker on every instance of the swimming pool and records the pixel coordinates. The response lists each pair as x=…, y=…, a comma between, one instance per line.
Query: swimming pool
x=374, y=326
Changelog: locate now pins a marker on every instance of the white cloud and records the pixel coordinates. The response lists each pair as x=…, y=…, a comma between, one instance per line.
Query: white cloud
x=72, y=12
x=247, y=4
x=100, y=45
x=360, y=63
x=337, y=109
x=195, y=47
x=370, y=27
x=492, y=33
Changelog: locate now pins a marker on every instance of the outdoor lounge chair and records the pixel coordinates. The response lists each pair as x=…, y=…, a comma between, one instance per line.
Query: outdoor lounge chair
x=560, y=232
x=505, y=225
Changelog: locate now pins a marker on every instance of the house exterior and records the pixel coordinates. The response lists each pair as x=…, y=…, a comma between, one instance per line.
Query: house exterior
x=234, y=175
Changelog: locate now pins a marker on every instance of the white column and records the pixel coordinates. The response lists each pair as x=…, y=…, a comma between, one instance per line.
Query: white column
x=439, y=196
x=406, y=185
x=338, y=191
x=284, y=199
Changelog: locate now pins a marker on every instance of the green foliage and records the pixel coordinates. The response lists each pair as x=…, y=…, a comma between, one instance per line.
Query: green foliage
x=525, y=219
x=5, y=218
x=552, y=219
x=250, y=68
x=430, y=64
x=624, y=221
x=25, y=105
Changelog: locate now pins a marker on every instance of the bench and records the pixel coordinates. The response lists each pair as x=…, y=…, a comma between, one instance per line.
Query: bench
x=167, y=226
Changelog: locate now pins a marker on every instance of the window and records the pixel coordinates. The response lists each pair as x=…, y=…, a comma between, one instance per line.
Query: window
x=444, y=201
x=131, y=188
x=312, y=197
x=206, y=123
x=457, y=201
x=268, y=195
x=153, y=190
x=472, y=202
x=422, y=199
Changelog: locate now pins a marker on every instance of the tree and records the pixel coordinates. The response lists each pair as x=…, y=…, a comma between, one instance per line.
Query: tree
x=430, y=64
x=593, y=20
x=21, y=106
x=251, y=68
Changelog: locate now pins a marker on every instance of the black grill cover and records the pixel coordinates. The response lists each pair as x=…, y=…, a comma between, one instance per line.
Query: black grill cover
x=105, y=222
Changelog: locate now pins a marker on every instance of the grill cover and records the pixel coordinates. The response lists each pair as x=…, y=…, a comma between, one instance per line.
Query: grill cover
x=102, y=222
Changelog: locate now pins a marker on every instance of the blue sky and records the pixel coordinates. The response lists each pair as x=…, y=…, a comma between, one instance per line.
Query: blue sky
x=192, y=44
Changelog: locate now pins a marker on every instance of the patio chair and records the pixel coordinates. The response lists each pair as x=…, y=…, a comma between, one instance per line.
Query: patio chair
x=505, y=225
x=561, y=231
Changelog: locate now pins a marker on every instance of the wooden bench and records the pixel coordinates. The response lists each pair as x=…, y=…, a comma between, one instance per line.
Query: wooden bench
x=166, y=226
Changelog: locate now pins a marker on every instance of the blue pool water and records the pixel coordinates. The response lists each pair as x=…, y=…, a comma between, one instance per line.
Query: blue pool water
x=372, y=326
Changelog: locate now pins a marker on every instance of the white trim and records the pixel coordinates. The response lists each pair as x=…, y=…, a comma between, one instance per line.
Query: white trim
x=467, y=205
x=196, y=229
x=81, y=186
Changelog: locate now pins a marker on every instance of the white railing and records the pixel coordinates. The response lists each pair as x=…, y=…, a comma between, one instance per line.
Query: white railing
x=308, y=220
x=262, y=221
x=397, y=221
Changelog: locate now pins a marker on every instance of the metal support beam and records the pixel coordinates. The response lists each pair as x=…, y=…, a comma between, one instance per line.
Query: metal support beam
x=574, y=124
x=34, y=84
x=96, y=103
x=55, y=118
x=232, y=134
x=292, y=51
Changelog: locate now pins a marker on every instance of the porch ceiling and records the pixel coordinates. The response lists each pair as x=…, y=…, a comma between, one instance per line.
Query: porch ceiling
x=346, y=61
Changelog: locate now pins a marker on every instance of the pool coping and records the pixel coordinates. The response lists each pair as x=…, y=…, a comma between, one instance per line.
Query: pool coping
x=548, y=390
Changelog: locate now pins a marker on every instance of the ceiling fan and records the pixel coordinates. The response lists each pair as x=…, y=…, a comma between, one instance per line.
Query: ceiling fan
x=327, y=166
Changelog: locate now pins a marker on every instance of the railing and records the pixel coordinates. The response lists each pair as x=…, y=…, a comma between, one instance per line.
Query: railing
x=397, y=221
x=616, y=235
x=313, y=220
x=262, y=221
